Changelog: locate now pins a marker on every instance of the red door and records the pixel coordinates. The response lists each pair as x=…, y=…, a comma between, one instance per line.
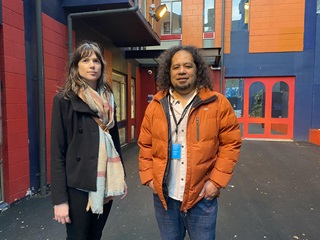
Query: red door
x=264, y=106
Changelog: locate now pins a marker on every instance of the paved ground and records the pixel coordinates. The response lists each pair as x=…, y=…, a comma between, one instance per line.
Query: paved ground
x=274, y=194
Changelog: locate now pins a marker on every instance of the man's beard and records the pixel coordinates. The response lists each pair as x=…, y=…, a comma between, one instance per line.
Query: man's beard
x=182, y=88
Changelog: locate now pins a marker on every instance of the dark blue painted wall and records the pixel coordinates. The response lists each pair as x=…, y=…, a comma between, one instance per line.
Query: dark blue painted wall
x=1, y=12
x=304, y=66
x=316, y=89
x=310, y=24
x=54, y=10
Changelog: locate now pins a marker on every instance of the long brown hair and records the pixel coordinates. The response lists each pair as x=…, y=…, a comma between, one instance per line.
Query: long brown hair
x=74, y=82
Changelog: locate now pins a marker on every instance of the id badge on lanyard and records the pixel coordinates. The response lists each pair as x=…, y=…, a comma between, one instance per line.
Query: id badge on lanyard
x=176, y=151
x=176, y=146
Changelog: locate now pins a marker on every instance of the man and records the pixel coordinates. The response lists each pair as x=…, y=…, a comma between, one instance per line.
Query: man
x=189, y=145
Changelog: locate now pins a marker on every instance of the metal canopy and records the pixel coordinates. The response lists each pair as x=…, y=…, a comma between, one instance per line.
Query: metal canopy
x=148, y=58
x=124, y=29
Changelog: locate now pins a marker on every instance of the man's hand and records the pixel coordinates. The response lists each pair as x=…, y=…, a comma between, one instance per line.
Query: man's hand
x=151, y=186
x=209, y=190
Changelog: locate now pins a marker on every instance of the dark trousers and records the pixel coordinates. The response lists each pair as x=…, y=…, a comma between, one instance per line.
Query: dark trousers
x=84, y=224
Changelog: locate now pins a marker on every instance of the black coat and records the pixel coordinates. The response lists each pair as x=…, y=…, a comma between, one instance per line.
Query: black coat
x=74, y=147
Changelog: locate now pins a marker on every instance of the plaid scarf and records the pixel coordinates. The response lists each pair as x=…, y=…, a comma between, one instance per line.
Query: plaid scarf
x=110, y=172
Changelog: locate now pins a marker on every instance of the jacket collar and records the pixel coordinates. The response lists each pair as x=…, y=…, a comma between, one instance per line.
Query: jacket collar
x=80, y=106
x=204, y=94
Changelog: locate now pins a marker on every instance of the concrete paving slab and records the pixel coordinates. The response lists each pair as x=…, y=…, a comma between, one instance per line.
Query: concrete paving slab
x=273, y=195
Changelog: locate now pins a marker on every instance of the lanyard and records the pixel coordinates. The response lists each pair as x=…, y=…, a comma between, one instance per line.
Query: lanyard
x=185, y=110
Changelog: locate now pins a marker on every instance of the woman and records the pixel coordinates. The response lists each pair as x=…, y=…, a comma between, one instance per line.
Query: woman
x=86, y=166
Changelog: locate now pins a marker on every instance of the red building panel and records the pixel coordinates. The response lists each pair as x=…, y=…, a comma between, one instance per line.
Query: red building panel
x=13, y=34
x=18, y=141
x=55, y=61
x=13, y=18
x=16, y=125
x=15, y=96
x=14, y=49
x=14, y=5
x=14, y=80
x=18, y=155
x=14, y=65
x=18, y=188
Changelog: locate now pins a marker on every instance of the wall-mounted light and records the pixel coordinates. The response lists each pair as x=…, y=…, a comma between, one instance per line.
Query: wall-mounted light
x=157, y=13
x=246, y=12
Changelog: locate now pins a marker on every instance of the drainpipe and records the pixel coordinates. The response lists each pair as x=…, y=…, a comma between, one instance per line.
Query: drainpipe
x=222, y=46
x=41, y=99
x=94, y=14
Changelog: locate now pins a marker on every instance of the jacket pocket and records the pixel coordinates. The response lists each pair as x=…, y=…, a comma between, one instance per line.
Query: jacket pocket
x=197, y=129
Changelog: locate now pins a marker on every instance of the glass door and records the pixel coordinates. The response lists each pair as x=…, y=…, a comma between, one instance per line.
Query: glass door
x=264, y=106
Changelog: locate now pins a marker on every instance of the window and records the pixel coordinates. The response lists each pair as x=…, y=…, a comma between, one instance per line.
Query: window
x=318, y=6
x=133, y=97
x=133, y=106
x=240, y=15
x=280, y=100
x=257, y=100
x=120, y=96
x=171, y=21
x=234, y=92
x=208, y=16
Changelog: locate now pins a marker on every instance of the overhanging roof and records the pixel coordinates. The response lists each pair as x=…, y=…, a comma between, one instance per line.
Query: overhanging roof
x=148, y=58
x=123, y=28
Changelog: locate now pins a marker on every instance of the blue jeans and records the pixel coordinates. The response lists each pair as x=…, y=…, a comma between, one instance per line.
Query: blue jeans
x=199, y=221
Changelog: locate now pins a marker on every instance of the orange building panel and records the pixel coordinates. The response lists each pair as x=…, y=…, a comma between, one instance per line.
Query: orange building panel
x=276, y=26
x=314, y=136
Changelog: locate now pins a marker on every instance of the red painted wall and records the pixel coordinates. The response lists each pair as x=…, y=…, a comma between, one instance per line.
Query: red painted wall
x=215, y=77
x=55, y=53
x=15, y=152
x=145, y=85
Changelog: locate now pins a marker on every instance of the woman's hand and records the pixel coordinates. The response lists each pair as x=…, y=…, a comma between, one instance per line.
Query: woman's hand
x=61, y=213
x=125, y=190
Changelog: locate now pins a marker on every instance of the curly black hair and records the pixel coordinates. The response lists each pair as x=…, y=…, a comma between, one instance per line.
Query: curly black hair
x=164, y=65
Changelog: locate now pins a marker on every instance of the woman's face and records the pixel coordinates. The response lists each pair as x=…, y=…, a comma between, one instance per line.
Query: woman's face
x=90, y=69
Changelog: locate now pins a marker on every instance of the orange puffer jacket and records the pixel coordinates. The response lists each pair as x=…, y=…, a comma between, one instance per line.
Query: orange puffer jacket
x=213, y=144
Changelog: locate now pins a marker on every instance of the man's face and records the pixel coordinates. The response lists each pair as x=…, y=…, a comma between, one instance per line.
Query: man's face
x=183, y=72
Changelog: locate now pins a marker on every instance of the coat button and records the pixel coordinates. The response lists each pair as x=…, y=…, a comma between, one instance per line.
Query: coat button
x=80, y=130
x=78, y=159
